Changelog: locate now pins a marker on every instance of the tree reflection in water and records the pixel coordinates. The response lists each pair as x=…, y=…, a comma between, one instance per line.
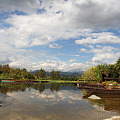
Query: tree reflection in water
x=39, y=86
x=11, y=87
x=54, y=86
x=8, y=87
x=107, y=102
x=0, y=103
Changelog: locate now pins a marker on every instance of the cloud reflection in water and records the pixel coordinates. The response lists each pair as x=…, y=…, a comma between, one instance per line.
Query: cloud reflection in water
x=62, y=95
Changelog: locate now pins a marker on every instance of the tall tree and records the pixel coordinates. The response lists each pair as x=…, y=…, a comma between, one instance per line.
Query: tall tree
x=52, y=74
x=36, y=74
x=42, y=73
x=55, y=75
x=92, y=74
x=117, y=66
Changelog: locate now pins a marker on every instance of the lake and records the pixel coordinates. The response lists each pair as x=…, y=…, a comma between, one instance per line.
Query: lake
x=53, y=101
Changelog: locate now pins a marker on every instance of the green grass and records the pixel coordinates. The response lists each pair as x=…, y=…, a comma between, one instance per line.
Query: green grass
x=58, y=81
x=110, y=82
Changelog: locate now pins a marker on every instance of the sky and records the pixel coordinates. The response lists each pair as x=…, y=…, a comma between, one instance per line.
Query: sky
x=64, y=35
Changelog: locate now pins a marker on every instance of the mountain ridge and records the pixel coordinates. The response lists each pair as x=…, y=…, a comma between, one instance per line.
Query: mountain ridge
x=65, y=74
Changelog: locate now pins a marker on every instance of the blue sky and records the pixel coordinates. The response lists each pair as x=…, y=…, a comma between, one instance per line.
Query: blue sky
x=70, y=35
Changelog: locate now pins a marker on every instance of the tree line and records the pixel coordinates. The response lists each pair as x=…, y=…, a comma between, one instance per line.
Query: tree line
x=101, y=71
x=16, y=73
x=97, y=73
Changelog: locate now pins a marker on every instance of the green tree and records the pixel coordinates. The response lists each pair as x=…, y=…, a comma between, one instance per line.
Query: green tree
x=0, y=72
x=54, y=75
x=57, y=74
x=117, y=66
x=6, y=68
x=29, y=76
x=42, y=73
x=36, y=74
x=92, y=74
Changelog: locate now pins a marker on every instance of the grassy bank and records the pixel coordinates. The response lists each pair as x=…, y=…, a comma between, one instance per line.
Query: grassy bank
x=57, y=81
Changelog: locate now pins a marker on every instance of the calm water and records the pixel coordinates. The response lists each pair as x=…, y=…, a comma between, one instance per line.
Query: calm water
x=53, y=102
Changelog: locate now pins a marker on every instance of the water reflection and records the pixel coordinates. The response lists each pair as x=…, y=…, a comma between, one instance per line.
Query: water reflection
x=0, y=103
x=10, y=87
x=42, y=92
x=109, y=102
x=51, y=102
x=40, y=86
x=6, y=87
x=54, y=86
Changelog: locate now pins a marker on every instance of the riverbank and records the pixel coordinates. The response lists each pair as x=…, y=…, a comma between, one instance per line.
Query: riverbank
x=50, y=81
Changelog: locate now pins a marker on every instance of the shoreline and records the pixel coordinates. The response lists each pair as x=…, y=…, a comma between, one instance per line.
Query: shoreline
x=113, y=118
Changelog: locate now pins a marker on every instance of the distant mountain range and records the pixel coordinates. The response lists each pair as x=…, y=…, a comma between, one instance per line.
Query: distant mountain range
x=65, y=74
x=71, y=74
